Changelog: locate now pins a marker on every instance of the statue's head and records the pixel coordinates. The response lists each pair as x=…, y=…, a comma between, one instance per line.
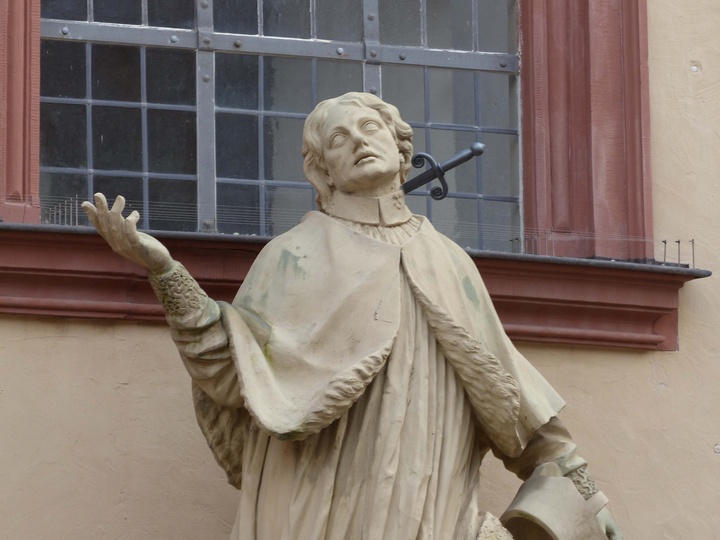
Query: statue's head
x=354, y=143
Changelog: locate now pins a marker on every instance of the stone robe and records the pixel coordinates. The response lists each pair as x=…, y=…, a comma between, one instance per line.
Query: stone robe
x=356, y=383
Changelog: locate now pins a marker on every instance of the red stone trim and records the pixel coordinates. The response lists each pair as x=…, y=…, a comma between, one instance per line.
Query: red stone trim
x=20, y=111
x=67, y=273
x=585, y=134
x=585, y=130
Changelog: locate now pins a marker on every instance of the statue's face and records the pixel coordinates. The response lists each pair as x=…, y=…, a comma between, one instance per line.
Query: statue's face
x=359, y=151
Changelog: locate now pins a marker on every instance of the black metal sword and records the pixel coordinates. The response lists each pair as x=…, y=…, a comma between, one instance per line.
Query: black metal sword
x=438, y=170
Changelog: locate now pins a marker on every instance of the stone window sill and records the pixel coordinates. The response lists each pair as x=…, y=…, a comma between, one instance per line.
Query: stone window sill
x=70, y=272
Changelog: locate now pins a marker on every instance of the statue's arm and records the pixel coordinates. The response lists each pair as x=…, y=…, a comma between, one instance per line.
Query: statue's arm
x=194, y=317
x=553, y=443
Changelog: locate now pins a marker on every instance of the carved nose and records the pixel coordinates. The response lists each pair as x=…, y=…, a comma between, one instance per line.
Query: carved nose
x=359, y=139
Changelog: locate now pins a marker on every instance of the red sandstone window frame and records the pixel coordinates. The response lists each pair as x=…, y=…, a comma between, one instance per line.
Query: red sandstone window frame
x=586, y=178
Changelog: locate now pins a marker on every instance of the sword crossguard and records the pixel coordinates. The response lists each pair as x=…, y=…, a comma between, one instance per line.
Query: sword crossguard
x=439, y=192
x=438, y=170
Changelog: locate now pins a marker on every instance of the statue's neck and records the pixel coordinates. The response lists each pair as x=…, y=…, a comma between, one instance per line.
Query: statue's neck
x=388, y=209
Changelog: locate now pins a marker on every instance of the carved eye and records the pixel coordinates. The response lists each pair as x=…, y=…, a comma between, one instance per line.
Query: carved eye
x=371, y=126
x=336, y=139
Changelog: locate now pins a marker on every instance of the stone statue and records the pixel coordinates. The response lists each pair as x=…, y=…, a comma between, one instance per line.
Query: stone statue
x=361, y=374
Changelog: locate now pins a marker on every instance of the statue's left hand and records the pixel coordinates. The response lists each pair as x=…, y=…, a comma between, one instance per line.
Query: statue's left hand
x=608, y=524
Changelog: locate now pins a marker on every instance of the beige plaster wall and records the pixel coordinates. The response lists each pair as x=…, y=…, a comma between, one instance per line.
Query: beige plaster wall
x=648, y=422
x=98, y=438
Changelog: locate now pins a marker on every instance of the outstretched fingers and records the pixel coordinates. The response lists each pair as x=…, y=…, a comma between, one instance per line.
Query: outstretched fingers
x=101, y=203
x=130, y=227
x=91, y=212
x=119, y=204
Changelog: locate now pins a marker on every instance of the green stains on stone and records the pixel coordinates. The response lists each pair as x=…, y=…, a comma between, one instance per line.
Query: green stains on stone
x=268, y=354
x=470, y=292
x=290, y=262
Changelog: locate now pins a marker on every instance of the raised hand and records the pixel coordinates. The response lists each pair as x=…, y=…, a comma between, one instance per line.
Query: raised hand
x=122, y=234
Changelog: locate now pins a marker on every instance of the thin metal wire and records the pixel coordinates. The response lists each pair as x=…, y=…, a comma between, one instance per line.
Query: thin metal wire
x=145, y=143
x=151, y=36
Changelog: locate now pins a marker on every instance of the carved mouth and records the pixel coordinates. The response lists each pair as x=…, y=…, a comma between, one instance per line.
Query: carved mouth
x=363, y=157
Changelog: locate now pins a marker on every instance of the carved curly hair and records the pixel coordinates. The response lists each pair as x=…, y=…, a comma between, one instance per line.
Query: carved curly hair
x=312, y=149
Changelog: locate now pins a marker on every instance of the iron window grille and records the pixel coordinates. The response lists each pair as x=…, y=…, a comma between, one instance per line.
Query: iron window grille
x=194, y=110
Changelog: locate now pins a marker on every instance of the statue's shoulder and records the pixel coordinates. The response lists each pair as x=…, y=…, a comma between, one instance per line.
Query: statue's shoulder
x=450, y=246
x=311, y=224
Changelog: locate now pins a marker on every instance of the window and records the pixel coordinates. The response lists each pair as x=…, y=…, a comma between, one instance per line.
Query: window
x=195, y=115
x=585, y=164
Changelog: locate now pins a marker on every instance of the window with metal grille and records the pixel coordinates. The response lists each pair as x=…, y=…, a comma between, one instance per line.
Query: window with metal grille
x=194, y=110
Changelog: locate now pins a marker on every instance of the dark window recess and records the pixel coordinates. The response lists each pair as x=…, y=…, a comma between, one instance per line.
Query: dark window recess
x=63, y=135
x=287, y=18
x=339, y=20
x=116, y=73
x=62, y=64
x=172, y=204
x=171, y=13
x=129, y=187
x=283, y=148
x=71, y=10
x=282, y=79
x=236, y=81
x=117, y=139
x=285, y=207
x=172, y=141
x=60, y=198
x=112, y=11
x=236, y=140
x=125, y=115
x=235, y=16
x=238, y=208
x=170, y=76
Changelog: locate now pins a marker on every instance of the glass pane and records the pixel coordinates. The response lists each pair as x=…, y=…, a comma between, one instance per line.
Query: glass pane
x=499, y=165
x=287, y=18
x=172, y=141
x=335, y=78
x=116, y=73
x=112, y=11
x=238, y=209
x=419, y=145
x=117, y=139
x=171, y=13
x=417, y=204
x=130, y=188
x=501, y=226
x=403, y=86
x=445, y=144
x=285, y=207
x=288, y=84
x=62, y=69
x=172, y=205
x=283, y=149
x=450, y=24
x=60, y=198
x=498, y=100
x=497, y=23
x=236, y=139
x=399, y=22
x=339, y=20
x=63, y=135
x=236, y=81
x=170, y=76
x=457, y=219
x=71, y=10
x=235, y=16
x=452, y=96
